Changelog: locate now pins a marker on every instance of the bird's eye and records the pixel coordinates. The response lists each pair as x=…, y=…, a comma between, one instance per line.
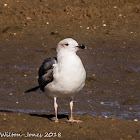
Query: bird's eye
x=67, y=44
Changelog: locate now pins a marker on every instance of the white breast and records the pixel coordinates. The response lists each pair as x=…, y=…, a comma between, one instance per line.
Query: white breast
x=69, y=76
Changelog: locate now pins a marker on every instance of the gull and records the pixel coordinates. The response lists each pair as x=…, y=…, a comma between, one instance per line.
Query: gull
x=63, y=76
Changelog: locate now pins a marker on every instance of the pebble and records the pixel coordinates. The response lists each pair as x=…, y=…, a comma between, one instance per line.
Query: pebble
x=4, y=119
x=120, y=15
x=115, y=7
x=5, y=4
x=88, y=101
x=130, y=108
x=94, y=27
x=10, y=94
x=105, y=116
x=113, y=119
x=87, y=28
x=16, y=102
x=135, y=120
x=104, y=25
x=28, y=18
x=102, y=103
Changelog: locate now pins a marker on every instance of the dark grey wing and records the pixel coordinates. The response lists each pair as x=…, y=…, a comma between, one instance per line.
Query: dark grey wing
x=45, y=72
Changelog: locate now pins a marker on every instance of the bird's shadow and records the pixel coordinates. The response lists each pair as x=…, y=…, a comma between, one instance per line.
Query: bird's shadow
x=51, y=116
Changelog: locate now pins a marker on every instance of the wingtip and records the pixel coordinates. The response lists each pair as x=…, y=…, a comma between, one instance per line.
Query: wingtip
x=32, y=89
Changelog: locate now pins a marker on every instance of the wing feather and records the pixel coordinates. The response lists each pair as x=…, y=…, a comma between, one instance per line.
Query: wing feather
x=45, y=72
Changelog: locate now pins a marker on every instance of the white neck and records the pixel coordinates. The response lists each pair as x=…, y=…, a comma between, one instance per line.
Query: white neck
x=64, y=53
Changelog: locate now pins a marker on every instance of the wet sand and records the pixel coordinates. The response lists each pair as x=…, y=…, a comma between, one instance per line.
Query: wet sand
x=91, y=128
x=30, y=31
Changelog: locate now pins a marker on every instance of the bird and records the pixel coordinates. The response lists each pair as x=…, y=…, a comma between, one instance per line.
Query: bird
x=62, y=76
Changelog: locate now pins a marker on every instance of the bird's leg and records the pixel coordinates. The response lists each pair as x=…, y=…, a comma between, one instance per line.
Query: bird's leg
x=71, y=106
x=55, y=107
x=71, y=115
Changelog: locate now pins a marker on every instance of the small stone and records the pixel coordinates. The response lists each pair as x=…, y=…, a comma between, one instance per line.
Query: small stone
x=120, y=15
x=16, y=102
x=10, y=94
x=130, y=108
x=28, y=18
x=47, y=23
x=15, y=33
x=104, y=25
x=115, y=7
x=129, y=102
x=102, y=103
x=113, y=119
x=5, y=4
x=105, y=116
x=87, y=28
x=135, y=120
x=4, y=119
x=25, y=75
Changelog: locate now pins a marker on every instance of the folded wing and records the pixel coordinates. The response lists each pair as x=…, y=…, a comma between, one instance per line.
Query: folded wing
x=45, y=73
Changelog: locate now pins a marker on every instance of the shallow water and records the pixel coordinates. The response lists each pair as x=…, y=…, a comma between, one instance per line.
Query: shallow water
x=17, y=67
x=90, y=105
x=136, y=69
x=123, y=114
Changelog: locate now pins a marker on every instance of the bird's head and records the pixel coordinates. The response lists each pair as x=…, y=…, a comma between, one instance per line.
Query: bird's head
x=70, y=45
